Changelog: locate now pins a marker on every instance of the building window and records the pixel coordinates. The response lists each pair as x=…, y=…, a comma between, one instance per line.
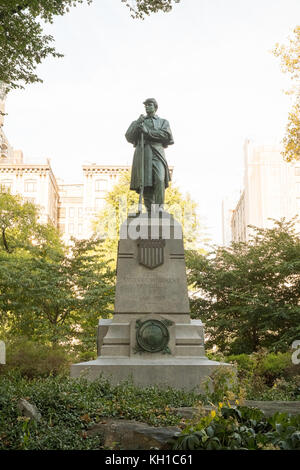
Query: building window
x=99, y=203
x=71, y=228
x=79, y=229
x=101, y=185
x=71, y=212
x=7, y=184
x=61, y=228
x=80, y=212
x=30, y=186
x=62, y=212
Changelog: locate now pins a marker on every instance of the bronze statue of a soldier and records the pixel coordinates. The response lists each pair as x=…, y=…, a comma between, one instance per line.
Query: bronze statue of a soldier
x=150, y=173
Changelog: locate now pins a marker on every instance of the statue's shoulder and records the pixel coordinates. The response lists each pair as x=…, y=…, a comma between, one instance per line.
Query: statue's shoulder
x=163, y=120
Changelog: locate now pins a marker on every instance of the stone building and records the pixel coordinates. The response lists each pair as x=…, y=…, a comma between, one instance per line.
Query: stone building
x=79, y=203
x=271, y=190
x=69, y=207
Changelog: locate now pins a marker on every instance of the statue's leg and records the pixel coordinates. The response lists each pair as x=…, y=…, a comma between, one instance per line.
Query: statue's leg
x=148, y=198
x=159, y=183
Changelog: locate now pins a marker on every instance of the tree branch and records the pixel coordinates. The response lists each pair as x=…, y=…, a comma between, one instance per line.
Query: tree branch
x=5, y=241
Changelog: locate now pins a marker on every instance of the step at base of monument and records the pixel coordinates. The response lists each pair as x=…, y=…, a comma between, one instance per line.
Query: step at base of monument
x=186, y=373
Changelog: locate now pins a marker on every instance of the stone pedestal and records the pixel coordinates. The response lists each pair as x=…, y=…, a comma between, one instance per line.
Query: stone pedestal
x=151, y=338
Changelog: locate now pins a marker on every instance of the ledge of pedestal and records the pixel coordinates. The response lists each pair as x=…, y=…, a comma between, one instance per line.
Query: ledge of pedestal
x=186, y=373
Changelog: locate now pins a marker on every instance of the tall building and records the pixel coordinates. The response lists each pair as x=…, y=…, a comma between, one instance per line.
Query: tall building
x=271, y=190
x=228, y=205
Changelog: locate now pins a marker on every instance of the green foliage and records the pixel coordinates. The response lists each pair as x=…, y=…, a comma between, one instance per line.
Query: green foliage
x=245, y=362
x=259, y=376
x=20, y=227
x=290, y=63
x=70, y=407
x=49, y=292
x=268, y=364
x=281, y=390
x=273, y=365
x=22, y=42
x=291, y=140
x=248, y=294
x=220, y=385
x=241, y=428
x=58, y=297
x=33, y=359
x=141, y=8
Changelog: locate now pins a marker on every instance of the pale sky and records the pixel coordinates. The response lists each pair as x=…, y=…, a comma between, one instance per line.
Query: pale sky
x=209, y=65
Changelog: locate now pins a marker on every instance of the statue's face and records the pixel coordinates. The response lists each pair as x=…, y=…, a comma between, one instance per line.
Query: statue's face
x=150, y=108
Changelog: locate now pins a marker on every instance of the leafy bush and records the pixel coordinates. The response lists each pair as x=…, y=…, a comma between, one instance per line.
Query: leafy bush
x=272, y=366
x=221, y=385
x=260, y=376
x=36, y=360
x=241, y=428
x=245, y=362
x=282, y=390
x=70, y=407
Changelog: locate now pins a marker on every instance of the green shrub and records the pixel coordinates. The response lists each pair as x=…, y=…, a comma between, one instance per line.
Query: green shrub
x=70, y=407
x=282, y=390
x=83, y=356
x=221, y=385
x=261, y=376
x=273, y=365
x=36, y=360
x=241, y=428
x=244, y=362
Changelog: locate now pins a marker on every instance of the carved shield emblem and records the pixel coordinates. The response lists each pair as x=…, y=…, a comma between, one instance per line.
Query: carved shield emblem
x=151, y=252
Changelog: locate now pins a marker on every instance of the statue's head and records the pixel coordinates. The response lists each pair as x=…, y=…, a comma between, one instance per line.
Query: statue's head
x=150, y=105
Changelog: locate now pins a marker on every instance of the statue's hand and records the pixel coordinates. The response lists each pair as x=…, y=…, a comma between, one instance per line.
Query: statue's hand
x=143, y=128
x=141, y=119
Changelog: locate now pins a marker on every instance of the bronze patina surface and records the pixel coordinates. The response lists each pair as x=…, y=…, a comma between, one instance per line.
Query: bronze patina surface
x=152, y=336
x=150, y=169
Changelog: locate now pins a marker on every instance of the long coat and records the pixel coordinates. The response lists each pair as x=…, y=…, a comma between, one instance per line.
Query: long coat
x=159, y=137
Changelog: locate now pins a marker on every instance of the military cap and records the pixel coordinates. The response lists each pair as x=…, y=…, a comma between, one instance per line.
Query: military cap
x=151, y=100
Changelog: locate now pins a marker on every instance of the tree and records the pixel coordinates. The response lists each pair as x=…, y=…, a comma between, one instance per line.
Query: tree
x=49, y=292
x=58, y=297
x=22, y=42
x=23, y=45
x=141, y=8
x=248, y=294
x=290, y=63
x=121, y=200
x=19, y=225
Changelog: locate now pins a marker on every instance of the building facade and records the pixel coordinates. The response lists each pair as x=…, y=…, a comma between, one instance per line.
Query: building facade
x=228, y=205
x=271, y=190
x=79, y=203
